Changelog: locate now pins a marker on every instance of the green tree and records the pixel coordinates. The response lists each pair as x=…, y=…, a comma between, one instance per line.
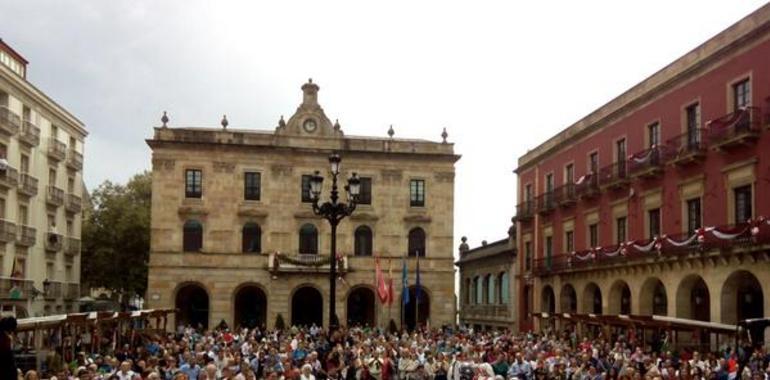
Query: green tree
x=116, y=236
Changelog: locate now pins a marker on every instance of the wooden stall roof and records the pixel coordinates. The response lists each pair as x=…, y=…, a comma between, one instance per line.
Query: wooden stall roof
x=647, y=321
x=51, y=321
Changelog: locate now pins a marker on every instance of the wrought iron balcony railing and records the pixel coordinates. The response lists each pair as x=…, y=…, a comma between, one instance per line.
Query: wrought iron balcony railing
x=566, y=195
x=648, y=163
x=55, y=196
x=30, y=134
x=53, y=242
x=26, y=236
x=546, y=202
x=7, y=231
x=9, y=177
x=15, y=289
x=587, y=186
x=525, y=210
x=57, y=150
x=73, y=203
x=10, y=122
x=614, y=176
x=736, y=129
x=74, y=159
x=27, y=185
x=689, y=147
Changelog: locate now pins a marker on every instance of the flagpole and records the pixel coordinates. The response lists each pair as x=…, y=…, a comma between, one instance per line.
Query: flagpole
x=390, y=287
x=417, y=294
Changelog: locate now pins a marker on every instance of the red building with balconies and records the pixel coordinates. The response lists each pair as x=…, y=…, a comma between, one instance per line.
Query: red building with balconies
x=656, y=202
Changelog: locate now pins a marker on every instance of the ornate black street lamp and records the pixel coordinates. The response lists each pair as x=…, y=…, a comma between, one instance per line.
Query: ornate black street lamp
x=334, y=211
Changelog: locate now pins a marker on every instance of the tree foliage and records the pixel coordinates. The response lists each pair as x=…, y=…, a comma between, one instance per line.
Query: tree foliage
x=116, y=236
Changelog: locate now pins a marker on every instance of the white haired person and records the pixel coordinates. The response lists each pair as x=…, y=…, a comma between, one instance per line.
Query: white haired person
x=306, y=372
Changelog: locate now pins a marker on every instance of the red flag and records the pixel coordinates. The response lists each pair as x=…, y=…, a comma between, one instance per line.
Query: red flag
x=382, y=289
x=391, y=293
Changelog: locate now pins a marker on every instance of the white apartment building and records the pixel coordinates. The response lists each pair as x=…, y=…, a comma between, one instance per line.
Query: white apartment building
x=41, y=195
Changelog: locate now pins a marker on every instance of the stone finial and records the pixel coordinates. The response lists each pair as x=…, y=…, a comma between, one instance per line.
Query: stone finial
x=336, y=124
x=483, y=243
x=281, y=122
x=444, y=135
x=464, y=245
x=164, y=119
x=391, y=132
x=224, y=122
x=310, y=93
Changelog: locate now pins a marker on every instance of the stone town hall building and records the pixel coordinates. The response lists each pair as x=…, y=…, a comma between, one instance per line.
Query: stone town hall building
x=234, y=237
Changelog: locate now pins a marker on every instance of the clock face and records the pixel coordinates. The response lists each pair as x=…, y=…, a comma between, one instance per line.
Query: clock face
x=309, y=125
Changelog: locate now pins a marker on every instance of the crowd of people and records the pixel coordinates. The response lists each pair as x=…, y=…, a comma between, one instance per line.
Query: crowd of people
x=371, y=353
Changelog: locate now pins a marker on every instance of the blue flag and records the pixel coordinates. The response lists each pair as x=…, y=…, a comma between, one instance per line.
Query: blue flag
x=404, y=283
x=418, y=289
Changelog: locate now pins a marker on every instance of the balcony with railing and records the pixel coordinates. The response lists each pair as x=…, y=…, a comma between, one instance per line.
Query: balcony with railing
x=72, y=291
x=26, y=236
x=54, y=196
x=9, y=177
x=720, y=239
x=303, y=263
x=525, y=211
x=587, y=186
x=27, y=185
x=73, y=247
x=565, y=195
x=54, y=290
x=30, y=134
x=546, y=203
x=57, y=150
x=53, y=242
x=7, y=231
x=614, y=176
x=648, y=163
x=687, y=148
x=10, y=121
x=736, y=129
x=74, y=203
x=74, y=159
x=15, y=289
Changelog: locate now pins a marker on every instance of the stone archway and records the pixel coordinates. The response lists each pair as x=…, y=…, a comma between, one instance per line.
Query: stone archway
x=192, y=303
x=693, y=299
x=653, y=298
x=416, y=312
x=306, y=307
x=250, y=307
x=568, y=299
x=741, y=297
x=592, y=299
x=361, y=307
x=620, y=298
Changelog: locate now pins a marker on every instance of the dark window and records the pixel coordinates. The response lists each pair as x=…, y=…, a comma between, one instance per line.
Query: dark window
x=569, y=174
x=308, y=239
x=742, y=203
x=593, y=235
x=416, y=242
x=548, y=251
x=653, y=217
x=365, y=195
x=417, y=193
x=693, y=215
x=306, y=188
x=252, y=238
x=693, y=123
x=192, y=236
x=620, y=157
x=569, y=237
x=620, y=229
x=653, y=132
x=363, y=241
x=528, y=256
x=549, y=183
x=742, y=94
x=593, y=162
x=193, y=183
x=251, y=186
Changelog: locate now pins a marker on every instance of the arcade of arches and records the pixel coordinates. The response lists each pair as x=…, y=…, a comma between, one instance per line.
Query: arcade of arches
x=727, y=297
x=306, y=306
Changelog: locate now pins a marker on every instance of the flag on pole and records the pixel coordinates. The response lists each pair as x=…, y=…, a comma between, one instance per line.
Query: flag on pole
x=382, y=288
x=391, y=294
x=417, y=289
x=404, y=282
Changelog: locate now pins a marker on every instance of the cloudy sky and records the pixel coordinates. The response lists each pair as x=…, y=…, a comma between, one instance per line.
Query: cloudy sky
x=501, y=76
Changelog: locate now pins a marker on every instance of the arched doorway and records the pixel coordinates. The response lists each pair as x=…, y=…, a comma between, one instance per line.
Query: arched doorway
x=307, y=307
x=548, y=300
x=653, y=298
x=693, y=299
x=592, y=299
x=742, y=297
x=192, y=303
x=250, y=307
x=568, y=301
x=361, y=307
x=620, y=298
x=414, y=314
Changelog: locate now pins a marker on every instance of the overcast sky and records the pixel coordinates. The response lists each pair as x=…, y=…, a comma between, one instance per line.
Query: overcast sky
x=500, y=76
